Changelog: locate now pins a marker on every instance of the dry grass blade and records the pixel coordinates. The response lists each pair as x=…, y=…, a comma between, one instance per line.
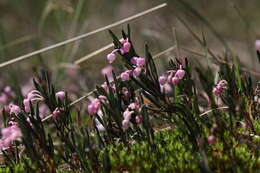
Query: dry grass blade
x=72, y=103
x=23, y=57
x=219, y=108
x=164, y=52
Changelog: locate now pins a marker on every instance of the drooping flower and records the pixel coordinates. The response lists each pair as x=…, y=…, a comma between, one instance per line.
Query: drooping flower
x=137, y=71
x=60, y=95
x=126, y=46
x=162, y=80
x=111, y=57
x=108, y=71
x=94, y=106
x=175, y=80
x=125, y=76
x=140, y=62
x=125, y=124
x=127, y=114
x=180, y=73
x=33, y=96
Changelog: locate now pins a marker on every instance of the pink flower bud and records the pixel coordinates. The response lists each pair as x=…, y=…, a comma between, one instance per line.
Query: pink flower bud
x=60, y=95
x=14, y=109
x=211, y=139
x=167, y=89
x=124, y=76
x=217, y=90
x=111, y=57
x=27, y=109
x=137, y=71
x=26, y=102
x=108, y=71
x=134, y=60
x=101, y=97
x=180, y=73
x=138, y=119
x=96, y=103
x=126, y=46
x=91, y=109
x=140, y=62
x=162, y=80
x=175, y=80
x=94, y=106
x=127, y=114
x=125, y=124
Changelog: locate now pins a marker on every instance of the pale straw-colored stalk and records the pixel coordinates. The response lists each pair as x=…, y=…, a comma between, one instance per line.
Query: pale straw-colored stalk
x=26, y=56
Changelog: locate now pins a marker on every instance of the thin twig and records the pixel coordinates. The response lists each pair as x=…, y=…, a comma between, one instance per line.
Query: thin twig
x=223, y=107
x=72, y=103
x=164, y=52
x=85, y=58
x=23, y=57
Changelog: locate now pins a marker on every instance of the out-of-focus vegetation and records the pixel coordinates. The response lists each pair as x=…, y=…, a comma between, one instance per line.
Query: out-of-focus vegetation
x=30, y=25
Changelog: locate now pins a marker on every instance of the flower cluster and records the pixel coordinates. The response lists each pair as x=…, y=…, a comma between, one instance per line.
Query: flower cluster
x=222, y=84
x=126, y=45
x=138, y=63
x=172, y=77
x=9, y=135
x=131, y=109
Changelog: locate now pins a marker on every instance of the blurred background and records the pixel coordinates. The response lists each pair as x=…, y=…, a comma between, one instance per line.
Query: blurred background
x=28, y=25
